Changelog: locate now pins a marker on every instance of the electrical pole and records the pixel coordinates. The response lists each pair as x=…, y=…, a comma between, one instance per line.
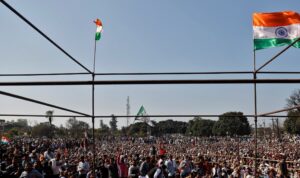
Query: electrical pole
x=128, y=111
x=278, y=132
x=264, y=130
x=273, y=126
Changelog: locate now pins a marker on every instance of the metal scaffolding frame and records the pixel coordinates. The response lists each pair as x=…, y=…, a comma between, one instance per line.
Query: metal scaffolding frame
x=94, y=82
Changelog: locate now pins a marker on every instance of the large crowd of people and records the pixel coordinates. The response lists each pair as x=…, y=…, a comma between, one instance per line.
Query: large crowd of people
x=153, y=157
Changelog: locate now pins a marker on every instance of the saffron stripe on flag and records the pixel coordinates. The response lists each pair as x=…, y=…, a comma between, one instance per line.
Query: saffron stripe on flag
x=275, y=19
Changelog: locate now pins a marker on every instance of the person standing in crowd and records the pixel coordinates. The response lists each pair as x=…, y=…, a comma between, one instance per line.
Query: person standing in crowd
x=152, y=151
x=48, y=154
x=91, y=173
x=171, y=167
x=30, y=172
x=160, y=171
x=162, y=150
x=47, y=169
x=112, y=168
x=185, y=167
x=56, y=164
x=133, y=171
x=123, y=169
x=145, y=167
x=216, y=170
x=283, y=171
x=103, y=169
x=83, y=167
x=38, y=166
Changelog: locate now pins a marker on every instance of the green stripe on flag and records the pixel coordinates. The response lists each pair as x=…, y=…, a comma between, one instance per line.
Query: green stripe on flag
x=273, y=42
x=98, y=36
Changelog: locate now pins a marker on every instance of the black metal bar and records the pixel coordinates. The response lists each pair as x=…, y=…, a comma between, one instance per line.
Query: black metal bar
x=93, y=108
x=200, y=73
x=187, y=115
x=176, y=73
x=39, y=115
x=156, y=116
x=152, y=82
x=43, y=34
x=281, y=110
x=255, y=114
x=150, y=73
x=278, y=54
x=40, y=102
x=93, y=124
x=278, y=72
x=42, y=74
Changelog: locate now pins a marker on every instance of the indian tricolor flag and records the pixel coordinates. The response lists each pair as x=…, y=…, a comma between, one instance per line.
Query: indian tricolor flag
x=4, y=140
x=99, y=29
x=276, y=29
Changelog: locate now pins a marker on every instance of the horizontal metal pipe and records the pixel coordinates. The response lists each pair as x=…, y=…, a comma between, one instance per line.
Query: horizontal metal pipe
x=40, y=115
x=40, y=102
x=278, y=72
x=176, y=73
x=133, y=116
x=43, y=74
x=152, y=82
x=148, y=73
x=281, y=110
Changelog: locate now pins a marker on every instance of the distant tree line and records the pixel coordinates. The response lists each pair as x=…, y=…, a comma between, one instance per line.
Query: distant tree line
x=228, y=124
x=232, y=123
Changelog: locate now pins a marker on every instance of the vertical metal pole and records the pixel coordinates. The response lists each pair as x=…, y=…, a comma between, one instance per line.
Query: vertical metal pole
x=127, y=111
x=239, y=157
x=93, y=112
x=273, y=128
x=255, y=114
x=278, y=132
x=264, y=130
x=2, y=133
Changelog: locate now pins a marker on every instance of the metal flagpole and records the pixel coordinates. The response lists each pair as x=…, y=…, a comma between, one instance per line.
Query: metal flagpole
x=93, y=110
x=255, y=113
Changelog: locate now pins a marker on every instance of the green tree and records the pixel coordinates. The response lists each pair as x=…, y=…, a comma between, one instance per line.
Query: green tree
x=14, y=132
x=103, y=130
x=138, y=129
x=42, y=129
x=294, y=100
x=103, y=126
x=76, y=127
x=19, y=127
x=292, y=123
x=232, y=123
x=21, y=123
x=200, y=127
x=169, y=127
x=113, y=124
x=61, y=131
x=124, y=131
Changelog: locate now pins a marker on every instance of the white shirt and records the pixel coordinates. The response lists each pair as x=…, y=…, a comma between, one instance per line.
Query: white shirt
x=55, y=165
x=83, y=167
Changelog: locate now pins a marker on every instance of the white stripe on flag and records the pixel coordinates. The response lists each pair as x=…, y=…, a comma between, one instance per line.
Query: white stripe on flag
x=259, y=32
